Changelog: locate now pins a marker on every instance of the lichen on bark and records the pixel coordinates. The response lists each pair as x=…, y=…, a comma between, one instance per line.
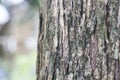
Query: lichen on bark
x=79, y=40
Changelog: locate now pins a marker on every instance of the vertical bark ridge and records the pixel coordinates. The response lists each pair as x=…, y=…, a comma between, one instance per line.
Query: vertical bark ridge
x=79, y=40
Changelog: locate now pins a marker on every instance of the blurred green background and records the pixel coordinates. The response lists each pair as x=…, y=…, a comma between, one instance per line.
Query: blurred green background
x=21, y=68
x=19, y=22
x=24, y=67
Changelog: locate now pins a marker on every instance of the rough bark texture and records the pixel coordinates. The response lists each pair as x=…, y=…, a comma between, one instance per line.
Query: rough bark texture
x=79, y=40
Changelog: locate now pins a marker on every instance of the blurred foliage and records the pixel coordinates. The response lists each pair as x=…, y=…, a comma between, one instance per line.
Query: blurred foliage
x=24, y=67
x=35, y=3
x=5, y=68
x=20, y=66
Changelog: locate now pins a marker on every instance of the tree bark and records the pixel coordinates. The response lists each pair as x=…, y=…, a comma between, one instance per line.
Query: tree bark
x=79, y=40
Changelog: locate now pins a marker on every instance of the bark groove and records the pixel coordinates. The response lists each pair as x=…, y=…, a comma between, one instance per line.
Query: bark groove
x=79, y=40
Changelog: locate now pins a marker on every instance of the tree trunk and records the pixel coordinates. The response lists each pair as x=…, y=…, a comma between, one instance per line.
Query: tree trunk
x=79, y=40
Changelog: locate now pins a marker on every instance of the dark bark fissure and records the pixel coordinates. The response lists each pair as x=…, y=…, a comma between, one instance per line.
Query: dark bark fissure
x=77, y=42
x=38, y=47
x=106, y=20
x=116, y=70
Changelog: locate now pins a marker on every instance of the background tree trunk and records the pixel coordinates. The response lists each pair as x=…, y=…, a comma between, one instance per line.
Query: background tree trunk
x=79, y=40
